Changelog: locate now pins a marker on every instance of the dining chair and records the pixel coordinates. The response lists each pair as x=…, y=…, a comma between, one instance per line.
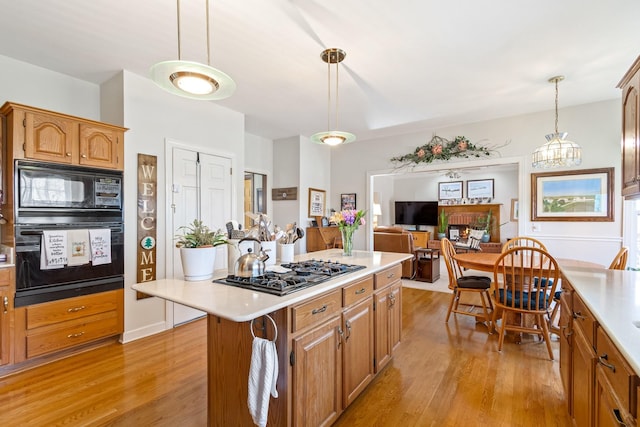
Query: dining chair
x=525, y=241
x=525, y=280
x=620, y=260
x=459, y=284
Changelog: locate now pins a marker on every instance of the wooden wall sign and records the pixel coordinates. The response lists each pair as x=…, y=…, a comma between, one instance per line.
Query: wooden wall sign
x=285, y=193
x=147, y=215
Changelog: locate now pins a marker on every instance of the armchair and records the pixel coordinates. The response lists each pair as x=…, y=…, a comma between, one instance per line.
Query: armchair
x=395, y=239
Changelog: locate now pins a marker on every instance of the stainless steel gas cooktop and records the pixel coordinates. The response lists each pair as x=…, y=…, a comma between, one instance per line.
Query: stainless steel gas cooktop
x=302, y=275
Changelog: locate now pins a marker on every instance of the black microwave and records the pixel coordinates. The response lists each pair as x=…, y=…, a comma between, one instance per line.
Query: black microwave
x=49, y=189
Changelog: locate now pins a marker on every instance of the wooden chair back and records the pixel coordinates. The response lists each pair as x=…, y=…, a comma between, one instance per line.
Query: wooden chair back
x=526, y=279
x=454, y=270
x=620, y=260
x=523, y=241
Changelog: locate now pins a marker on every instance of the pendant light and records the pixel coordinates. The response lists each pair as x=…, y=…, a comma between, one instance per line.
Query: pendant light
x=332, y=137
x=193, y=79
x=557, y=151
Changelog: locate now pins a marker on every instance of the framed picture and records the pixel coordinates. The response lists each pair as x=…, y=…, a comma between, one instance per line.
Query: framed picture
x=450, y=190
x=580, y=195
x=316, y=202
x=514, y=210
x=347, y=201
x=480, y=188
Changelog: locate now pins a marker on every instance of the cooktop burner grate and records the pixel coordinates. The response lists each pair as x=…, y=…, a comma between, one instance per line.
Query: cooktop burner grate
x=302, y=275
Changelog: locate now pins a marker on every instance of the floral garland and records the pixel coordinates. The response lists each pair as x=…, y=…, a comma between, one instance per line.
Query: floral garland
x=440, y=148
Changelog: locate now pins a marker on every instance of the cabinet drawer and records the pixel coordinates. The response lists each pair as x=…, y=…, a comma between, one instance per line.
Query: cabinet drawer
x=316, y=310
x=584, y=319
x=620, y=375
x=5, y=276
x=387, y=276
x=71, y=308
x=71, y=333
x=357, y=291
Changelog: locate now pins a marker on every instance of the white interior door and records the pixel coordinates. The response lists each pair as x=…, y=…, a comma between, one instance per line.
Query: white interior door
x=201, y=189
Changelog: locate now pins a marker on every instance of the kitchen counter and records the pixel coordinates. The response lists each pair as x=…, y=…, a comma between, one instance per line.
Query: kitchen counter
x=240, y=305
x=613, y=297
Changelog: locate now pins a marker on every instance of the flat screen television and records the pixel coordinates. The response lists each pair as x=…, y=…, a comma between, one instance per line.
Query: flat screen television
x=416, y=213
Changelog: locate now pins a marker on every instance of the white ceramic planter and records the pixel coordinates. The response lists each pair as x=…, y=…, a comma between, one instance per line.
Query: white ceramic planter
x=198, y=263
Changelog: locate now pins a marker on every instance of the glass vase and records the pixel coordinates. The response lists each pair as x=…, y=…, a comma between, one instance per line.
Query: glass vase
x=347, y=241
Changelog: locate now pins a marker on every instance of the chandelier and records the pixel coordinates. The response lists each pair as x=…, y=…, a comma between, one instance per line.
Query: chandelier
x=332, y=137
x=557, y=151
x=193, y=79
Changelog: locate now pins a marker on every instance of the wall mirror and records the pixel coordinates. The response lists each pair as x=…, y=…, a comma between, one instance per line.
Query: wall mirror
x=255, y=200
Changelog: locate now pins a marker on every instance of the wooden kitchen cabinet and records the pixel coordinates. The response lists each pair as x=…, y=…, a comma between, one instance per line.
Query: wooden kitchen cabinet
x=6, y=312
x=38, y=134
x=630, y=85
x=326, y=346
x=57, y=325
x=566, y=342
x=317, y=375
x=583, y=360
x=358, y=354
x=388, y=315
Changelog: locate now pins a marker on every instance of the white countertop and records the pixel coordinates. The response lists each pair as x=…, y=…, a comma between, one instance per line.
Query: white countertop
x=613, y=297
x=240, y=305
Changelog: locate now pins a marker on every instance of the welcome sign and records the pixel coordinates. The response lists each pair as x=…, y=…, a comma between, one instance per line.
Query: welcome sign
x=147, y=215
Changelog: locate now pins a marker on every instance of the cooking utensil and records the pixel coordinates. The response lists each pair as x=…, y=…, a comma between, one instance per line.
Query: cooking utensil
x=250, y=264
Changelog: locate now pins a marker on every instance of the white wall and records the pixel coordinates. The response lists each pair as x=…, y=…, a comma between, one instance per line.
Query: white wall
x=154, y=116
x=596, y=127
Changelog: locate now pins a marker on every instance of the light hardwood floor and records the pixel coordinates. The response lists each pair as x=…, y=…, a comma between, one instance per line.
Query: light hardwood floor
x=441, y=375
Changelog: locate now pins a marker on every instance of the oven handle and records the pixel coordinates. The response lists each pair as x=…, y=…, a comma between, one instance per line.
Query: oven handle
x=39, y=232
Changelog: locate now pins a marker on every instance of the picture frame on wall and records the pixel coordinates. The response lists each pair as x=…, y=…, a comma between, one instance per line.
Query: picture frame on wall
x=578, y=195
x=480, y=188
x=450, y=190
x=515, y=210
x=347, y=201
x=317, y=201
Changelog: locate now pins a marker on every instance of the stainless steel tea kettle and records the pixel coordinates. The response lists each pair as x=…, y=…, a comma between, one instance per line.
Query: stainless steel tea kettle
x=250, y=264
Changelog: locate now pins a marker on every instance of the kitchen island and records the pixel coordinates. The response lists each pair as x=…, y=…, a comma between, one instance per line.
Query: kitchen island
x=600, y=344
x=332, y=338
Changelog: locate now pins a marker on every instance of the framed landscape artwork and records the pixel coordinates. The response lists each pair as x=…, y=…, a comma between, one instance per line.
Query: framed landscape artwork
x=480, y=188
x=450, y=190
x=580, y=195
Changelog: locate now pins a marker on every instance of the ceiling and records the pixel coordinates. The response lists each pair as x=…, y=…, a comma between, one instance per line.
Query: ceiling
x=411, y=65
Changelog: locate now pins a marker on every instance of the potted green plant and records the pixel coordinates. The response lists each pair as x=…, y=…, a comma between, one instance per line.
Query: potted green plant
x=197, y=245
x=443, y=224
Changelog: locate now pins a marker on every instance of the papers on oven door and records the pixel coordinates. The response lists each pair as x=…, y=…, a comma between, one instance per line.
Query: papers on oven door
x=100, y=239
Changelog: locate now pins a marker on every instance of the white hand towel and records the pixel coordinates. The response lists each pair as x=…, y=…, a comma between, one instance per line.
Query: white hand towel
x=263, y=376
x=53, y=250
x=100, y=240
x=78, y=252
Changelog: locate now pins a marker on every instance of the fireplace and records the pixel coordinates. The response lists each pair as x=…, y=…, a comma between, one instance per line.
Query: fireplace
x=463, y=217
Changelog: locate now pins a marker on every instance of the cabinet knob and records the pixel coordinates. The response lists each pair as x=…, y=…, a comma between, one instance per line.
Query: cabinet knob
x=84, y=156
x=68, y=154
x=5, y=304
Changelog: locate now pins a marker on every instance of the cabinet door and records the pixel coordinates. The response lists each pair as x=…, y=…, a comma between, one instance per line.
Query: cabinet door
x=566, y=333
x=100, y=146
x=583, y=362
x=357, y=367
x=317, y=375
x=395, y=315
x=630, y=139
x=5, y=314
x=50, y=138
x=381, y=327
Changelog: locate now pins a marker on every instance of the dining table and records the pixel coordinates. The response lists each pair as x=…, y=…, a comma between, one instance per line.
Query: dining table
x=485, y=261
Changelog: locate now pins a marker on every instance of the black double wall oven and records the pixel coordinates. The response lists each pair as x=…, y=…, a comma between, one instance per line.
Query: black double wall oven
x=49, y=198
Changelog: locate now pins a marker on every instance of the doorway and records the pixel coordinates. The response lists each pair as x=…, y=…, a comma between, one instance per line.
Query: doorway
x=200, y=189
